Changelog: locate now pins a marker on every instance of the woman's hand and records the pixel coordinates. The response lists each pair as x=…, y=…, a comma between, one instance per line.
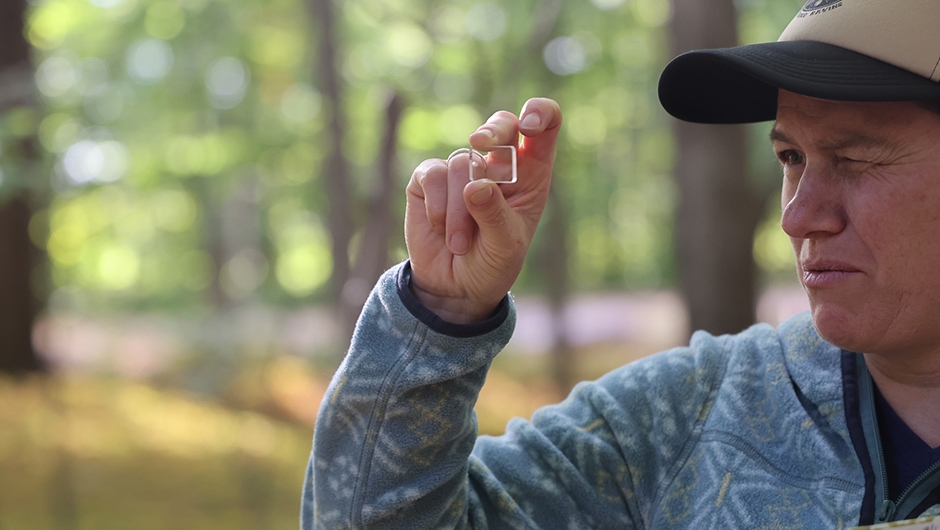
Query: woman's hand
x=467, y=240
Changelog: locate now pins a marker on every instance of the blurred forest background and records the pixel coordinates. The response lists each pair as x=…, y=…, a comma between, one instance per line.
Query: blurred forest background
x=197, y=195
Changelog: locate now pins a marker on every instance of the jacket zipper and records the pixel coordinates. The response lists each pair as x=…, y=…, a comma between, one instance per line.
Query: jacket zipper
x=887, y=509
x=918, y=490
x=918, y=483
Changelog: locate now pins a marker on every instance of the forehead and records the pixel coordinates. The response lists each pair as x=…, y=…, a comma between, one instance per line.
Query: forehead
x=810, y=118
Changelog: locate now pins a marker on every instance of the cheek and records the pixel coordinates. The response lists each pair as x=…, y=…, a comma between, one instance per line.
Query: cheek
x=875, y=224
x=926, y=209
x=897, y=217
x=900, y=225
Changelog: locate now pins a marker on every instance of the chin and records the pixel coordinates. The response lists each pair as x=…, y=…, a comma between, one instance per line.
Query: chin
x=840, y=328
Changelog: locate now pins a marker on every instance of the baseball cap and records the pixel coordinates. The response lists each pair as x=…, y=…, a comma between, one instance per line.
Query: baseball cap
x=846, y=50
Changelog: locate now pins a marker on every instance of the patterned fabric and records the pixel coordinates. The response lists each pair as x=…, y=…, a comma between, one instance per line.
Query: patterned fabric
x=743, y=431
x=933, y=511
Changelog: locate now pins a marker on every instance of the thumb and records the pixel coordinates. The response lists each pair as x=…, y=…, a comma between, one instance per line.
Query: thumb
x=487, y=206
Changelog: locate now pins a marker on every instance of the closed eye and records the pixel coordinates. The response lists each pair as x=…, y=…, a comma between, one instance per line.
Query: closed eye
x=847, y=160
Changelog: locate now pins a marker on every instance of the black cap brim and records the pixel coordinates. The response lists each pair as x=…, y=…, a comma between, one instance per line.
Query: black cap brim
x=739, y=85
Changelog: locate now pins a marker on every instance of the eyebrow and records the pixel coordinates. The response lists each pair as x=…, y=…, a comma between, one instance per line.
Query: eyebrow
x=776, y=135
x=837, y=141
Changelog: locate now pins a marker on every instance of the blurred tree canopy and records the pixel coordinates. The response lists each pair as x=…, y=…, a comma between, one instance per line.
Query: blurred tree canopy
x=187, y=139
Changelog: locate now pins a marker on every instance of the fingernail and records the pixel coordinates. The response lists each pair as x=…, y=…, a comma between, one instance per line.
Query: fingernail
x=482, y=195
x=488, y=133
x=531, y=121
x=459, y=243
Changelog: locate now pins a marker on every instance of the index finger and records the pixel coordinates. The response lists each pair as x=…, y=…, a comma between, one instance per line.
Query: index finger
x=539, y=123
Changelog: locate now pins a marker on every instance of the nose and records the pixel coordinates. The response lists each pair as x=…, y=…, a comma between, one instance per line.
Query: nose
x=813, y=206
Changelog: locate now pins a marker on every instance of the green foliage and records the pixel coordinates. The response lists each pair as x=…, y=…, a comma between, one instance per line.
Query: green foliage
x=187, y=135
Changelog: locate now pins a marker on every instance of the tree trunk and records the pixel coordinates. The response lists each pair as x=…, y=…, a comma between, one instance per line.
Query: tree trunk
x=718, y=208
x=373, y=257
x=18, y=256
x=553, y=266
x=336, y=167
x=17, y=303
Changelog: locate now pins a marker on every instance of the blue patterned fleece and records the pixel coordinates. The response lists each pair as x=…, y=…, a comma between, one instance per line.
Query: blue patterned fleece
x=742, y=431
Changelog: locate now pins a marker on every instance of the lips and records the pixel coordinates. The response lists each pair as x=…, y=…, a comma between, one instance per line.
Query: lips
x=824, y=273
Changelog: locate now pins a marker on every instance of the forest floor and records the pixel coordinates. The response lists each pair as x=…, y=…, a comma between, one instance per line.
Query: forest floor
x=147, y=423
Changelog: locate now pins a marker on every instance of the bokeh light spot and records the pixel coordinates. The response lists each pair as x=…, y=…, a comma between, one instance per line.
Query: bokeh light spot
x=652, y=13
x=448, y=24
x=570, y=55
x=587, y=126
x=118, y=267
x=87, y=160
x=227, y=82
x=565, y=56
x=66, y=244
x=58, y=74
x=244, y=273
x=607, y=5
x=300, y=103
x=274, y=46
x=419, y=130
x=59, y=131
x=149, y=61
x=408, y=45
x=486, y=21
x=51, y=22
x=303, y=268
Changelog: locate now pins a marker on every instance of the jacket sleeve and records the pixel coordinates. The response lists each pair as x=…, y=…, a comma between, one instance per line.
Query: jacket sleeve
x=397, y=423
x=395, y=433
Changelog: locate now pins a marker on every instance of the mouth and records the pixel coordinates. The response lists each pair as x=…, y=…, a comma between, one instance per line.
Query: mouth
x=818, y=274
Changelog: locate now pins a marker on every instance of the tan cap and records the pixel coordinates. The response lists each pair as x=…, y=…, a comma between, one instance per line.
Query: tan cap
x=850, y=50
x=905, y=33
